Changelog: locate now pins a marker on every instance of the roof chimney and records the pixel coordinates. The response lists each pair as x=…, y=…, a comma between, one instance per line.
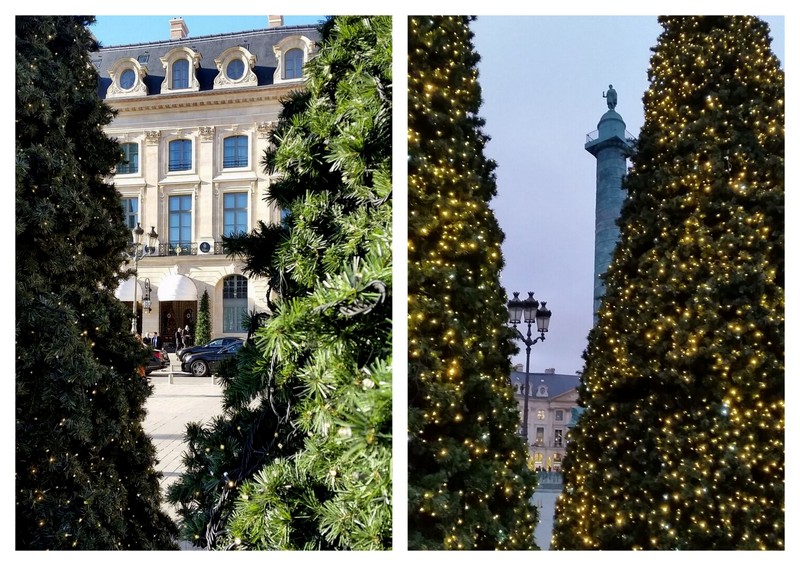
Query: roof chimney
x=177, y=29
x=274, y=21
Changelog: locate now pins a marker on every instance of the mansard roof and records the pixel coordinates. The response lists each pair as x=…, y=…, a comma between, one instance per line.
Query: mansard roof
x=259, y=42
x=557, y=384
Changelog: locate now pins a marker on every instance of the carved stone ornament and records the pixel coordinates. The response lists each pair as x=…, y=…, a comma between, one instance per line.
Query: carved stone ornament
x=264, y=128
x=207, y=133
x=151, y=137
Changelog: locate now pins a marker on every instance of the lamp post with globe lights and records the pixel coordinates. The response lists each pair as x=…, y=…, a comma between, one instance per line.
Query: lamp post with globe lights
x=528, y=311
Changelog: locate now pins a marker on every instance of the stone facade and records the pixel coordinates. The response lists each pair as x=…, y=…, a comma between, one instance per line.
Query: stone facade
x=194, y=115
x=551, y=399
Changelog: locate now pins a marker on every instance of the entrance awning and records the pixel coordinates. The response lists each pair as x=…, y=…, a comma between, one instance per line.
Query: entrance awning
x=125, y=290
x=177, y=288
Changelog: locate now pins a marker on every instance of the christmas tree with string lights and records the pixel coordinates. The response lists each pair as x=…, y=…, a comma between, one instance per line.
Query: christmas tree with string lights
x=681, y=445
x=469, y=484
x=85, y=476
x=302, y=457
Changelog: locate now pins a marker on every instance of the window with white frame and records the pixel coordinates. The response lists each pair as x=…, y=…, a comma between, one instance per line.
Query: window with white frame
x=291, y=53
x=234, y=152
x=180, y=222
x=234, y=303
x=235, y=67
x=180, y=74
x=180, y=70
x=180, y=155
x=130, y=159
x=234, y=213
x=130, y=208
x=127, y=78
x=293, y=61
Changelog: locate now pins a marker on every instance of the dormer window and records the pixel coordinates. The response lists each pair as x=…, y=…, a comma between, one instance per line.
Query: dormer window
x=292, y=53
x=180, y=66
x=180, y=74
x=127, y=79
x=235, y=67
x=294, y=64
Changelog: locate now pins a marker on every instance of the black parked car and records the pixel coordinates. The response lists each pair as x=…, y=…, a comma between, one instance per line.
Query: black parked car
x=158, y=361
x=204, y=363
x=215, y=344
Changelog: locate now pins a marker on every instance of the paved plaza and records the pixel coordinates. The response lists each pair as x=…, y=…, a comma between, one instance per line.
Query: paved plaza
x=180, y=398
x=177, y=399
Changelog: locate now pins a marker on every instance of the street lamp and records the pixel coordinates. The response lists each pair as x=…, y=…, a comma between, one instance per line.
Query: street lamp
x=137, y=253
x=528, y=311
x=146, y=299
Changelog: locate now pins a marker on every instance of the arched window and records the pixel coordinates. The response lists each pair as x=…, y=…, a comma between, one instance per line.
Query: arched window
x=234, y=303
x=180, y=155
x=234, y=152
x=294, y=64
x=180, y=74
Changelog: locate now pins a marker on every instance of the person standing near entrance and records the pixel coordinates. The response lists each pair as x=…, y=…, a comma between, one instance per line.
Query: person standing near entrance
x=179, y=343
x=187, y=337
x=158, y=341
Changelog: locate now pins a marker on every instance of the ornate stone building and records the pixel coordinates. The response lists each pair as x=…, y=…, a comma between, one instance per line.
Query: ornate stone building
x=193, y=117
x=551, y=399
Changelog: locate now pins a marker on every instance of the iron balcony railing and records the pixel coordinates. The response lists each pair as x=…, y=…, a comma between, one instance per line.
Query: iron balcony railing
x=190, y=248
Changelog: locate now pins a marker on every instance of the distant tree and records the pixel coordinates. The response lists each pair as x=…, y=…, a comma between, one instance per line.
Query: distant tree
x=301, y=459
x=85, y=469
x=681, y=445
x=203, y=328
x=469, y=484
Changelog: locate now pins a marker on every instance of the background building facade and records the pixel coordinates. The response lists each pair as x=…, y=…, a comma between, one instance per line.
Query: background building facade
x=193, y=118
x=551, y=400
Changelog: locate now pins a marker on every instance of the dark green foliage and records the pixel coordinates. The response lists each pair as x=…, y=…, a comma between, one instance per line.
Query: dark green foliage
x=681, y=445
x=301, y=458
x=85, y=476
x=469, y=485
x=203, y=328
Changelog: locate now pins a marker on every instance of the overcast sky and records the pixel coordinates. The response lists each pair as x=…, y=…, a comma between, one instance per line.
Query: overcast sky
x=542, y=80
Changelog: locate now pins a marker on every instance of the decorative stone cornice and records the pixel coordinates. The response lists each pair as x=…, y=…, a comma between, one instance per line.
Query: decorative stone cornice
x=264, y=128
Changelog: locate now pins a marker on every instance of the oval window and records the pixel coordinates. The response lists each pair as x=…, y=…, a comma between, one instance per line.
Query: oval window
x=235, y=69
x=127, y=79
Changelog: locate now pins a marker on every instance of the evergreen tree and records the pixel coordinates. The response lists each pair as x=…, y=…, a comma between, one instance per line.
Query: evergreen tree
x=203, y=328
x=301, y=458
x=681, y=445
x=85, y=476
x=469, y=484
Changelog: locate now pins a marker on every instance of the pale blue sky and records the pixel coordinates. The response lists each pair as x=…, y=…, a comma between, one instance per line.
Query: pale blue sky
x=123, y=30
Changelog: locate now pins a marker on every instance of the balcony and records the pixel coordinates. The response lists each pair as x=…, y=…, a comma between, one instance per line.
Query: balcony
x=191, y=248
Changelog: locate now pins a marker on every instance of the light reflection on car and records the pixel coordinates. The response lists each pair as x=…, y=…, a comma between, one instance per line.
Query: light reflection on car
x=205, y=363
